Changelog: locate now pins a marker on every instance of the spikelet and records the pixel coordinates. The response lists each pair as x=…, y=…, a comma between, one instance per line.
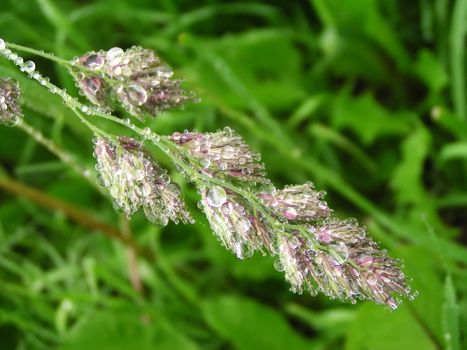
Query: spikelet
x=136, y=181
x=10, y=107
x=223, y=154
x=135, y=79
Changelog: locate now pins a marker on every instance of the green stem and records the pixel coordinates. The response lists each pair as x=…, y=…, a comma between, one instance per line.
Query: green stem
x=61, y=154
x=43, y=54
x=457, y=36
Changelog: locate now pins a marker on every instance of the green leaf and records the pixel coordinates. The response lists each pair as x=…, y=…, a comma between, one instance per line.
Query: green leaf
x=124, y=330
x=250, y=325
x=367, y=118
x=457, y=35
x=407, y=178
x=430, y=71
x=451, y=316
x=421, y=267
x=453, y=150
x=377, y=328
x=365, y=19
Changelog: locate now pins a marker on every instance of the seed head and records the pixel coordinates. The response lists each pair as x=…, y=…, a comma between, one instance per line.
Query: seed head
x=10, y=107
x=135, y=78
x=223, y=154
x=135, y=181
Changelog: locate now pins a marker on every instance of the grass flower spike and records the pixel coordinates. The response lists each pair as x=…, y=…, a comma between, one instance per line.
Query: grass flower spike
x=317, y=251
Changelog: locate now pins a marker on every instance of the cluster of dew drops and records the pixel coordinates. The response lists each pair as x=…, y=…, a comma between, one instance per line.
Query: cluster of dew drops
x=29, y=67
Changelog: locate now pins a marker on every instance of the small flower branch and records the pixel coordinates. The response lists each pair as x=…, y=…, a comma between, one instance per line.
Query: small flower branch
x=317, y=251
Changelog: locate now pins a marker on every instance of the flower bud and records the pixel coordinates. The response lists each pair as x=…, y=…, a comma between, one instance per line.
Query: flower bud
x=10, y=107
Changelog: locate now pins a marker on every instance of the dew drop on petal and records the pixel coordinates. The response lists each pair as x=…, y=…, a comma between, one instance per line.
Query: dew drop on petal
x=205, y=162
x=228, y=151
x=164, y=72
x=372, y=281
x=290, y=213
x=93, y=84
x=216, y=196
x=114, y=55
x=137, y=94
x=278, y=265
x=94, y=62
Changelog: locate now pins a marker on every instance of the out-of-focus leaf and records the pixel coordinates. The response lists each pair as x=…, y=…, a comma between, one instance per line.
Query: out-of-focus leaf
x=124, y=330
x=331, y=321
x=453, y=150
x=430, y=71
x=407, y=181
x=257, y=268
x=450, y=316
x=364, y=17
x=422, y=268
x=306, y=110
x=457, y=36
x=367, y=118
x=377, y=328
x=320, y=131
x=250, y=325
x=265, y=62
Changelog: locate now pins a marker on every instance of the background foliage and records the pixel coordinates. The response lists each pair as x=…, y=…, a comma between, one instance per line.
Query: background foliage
x=365, y=98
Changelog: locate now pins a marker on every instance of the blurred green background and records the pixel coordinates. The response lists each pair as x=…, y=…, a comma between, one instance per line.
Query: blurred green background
x=365, y=98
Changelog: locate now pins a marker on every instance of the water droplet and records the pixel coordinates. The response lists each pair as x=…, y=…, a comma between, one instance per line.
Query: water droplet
x=228, y=151
x=216, y=196
x=93, y=84
x=94, y=62
x=164, y=72
x=29, y=66
x=294, y=242
x=137, y=94
x=278, y=265
x=147, y=189
x=205, y=162
x=114, y=55
x=147, y=131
